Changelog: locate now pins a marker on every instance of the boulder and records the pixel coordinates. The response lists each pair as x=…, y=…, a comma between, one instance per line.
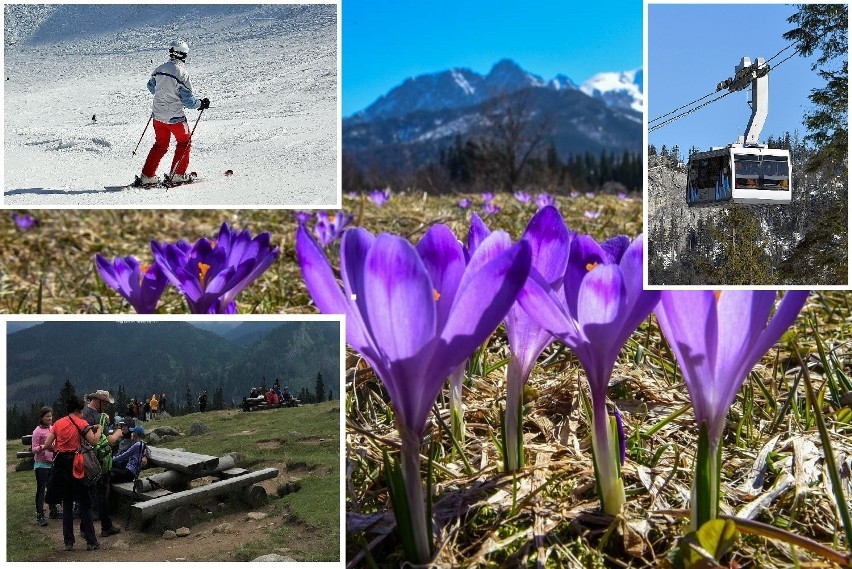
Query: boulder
x=223, y=528
x=198, y=428
x=274, y=557
x=166, y=430
x=169, y=534
x=182, y=532
x=120, y=545
x=153, y=439
x=166, y=438
x=255, y=516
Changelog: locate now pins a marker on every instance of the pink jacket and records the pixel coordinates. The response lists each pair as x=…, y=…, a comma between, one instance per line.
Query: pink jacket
x=39, y=436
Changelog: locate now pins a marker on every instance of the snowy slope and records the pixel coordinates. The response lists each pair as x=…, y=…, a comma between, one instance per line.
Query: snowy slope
x=269, y=71
x=617, y=89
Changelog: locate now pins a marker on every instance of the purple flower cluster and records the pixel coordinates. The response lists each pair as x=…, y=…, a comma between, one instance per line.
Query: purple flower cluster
x=543, y=200
x=489, y=207
x=380, y=197
x=24, y=221
x=210, y=274
x=329, y=229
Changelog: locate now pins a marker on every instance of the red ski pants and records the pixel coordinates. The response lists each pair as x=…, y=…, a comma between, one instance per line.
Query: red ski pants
x=162, y=134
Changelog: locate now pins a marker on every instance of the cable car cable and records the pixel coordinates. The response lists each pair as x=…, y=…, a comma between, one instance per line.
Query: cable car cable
x=683, y=107
x=673, y=119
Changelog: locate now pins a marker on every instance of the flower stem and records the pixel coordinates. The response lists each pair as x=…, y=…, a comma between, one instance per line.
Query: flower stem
x=514, y=442
x=607, y=458
x=705, y=485
x=410, y=460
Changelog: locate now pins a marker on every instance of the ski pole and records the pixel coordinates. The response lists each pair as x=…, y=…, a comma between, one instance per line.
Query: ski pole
x=143, y=134
x=172, y=173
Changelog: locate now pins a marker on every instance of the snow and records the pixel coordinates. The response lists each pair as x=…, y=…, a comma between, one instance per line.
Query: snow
x=615, y=82
x=462, y=83
x=270, y=72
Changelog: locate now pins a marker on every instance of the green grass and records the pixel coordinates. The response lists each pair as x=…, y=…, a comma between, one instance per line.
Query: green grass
x=312, y=524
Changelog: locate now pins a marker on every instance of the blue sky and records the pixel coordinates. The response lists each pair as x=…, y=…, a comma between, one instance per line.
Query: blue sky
x=387, y=41
x=691, y=48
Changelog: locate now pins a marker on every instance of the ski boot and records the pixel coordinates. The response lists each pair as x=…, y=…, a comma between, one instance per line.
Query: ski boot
x=172, y=180
x=144, y=181
x=40, y=520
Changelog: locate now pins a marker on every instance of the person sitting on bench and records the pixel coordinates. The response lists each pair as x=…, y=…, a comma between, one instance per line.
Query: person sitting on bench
x=126, y=466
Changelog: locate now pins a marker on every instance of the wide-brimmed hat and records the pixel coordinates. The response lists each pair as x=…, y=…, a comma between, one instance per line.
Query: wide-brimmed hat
x=101, y=394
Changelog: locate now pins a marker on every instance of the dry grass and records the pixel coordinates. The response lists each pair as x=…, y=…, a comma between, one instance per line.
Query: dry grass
x=50, y=268
x=547, y=514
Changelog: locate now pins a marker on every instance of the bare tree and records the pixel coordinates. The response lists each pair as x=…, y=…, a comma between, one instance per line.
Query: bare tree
x=514, y=134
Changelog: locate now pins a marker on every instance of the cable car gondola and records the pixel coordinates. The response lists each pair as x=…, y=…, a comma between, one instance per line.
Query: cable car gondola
x=744, y=172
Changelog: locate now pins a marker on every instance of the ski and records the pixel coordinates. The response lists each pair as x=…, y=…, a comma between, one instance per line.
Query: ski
x=166, y=183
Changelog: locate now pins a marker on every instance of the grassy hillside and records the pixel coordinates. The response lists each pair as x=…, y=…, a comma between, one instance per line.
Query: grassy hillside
x=303, y=443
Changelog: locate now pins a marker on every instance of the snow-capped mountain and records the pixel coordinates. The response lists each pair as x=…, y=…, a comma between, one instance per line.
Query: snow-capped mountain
x=457, y=88
x=413, y=122
x=621, y=90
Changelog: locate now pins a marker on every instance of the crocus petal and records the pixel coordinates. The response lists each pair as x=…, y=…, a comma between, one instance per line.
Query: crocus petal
x=482, y=301
x=399, y=296
x=544, y=307
x=444, y=260
x=584, y=255
x=601, y=302
x=549, y=240
x=615, y=247
x=477, y=233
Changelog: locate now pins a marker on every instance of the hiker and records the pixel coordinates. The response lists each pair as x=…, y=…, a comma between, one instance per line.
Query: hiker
x=163, y=403
x=131, y=410
x=43, y=458
x=155, y=406
x=146, y=410
x=125, y=441
x=202, y=402
x=96, y=414
x=64, y=440
x=172, y=90
x=127, y=465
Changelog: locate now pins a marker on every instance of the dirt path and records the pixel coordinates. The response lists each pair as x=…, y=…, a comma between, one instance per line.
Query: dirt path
x=213, y=537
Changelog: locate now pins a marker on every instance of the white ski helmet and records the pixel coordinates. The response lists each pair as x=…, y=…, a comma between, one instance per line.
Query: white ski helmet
x=178, y=50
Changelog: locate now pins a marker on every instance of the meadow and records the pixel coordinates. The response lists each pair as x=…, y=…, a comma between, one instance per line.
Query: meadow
x=50, y=269
x=773, y=467
x=303, y=443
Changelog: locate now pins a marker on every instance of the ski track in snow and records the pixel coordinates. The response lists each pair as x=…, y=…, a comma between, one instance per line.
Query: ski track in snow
x=273, y=87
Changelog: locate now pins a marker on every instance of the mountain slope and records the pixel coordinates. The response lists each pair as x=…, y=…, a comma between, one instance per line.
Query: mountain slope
x=164, y=357
x=270, y=72
x=578, y=123
x=411, y=124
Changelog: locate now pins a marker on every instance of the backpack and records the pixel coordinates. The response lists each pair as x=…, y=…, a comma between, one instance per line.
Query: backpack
x=87, y=467
x=103, y=450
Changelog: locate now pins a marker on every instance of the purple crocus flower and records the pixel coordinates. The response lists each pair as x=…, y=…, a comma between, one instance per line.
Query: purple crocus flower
x=352, y=195
x=491, y=208
x=543, y=200
x=211, y=273
x=622, y=196
x=465, y=203
x=602, y=306
x=328, y=230
x=24, y=221
x=379, y=197
x=592, y=214
x=487, y=197
x=717, y=338
x=574, y=195
x=415, y=314
x=141, y=285
x=522, y=197
x=590, y=195
x=550, y=241
x=302, y=217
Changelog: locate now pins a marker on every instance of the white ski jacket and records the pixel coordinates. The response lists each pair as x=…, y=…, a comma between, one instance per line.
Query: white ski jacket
x=172, y=90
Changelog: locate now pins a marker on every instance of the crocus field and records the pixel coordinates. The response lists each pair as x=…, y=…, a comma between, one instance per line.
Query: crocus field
x=514, y=398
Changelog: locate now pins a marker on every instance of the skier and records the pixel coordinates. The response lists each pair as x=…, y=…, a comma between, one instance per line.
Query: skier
x=172, y=90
